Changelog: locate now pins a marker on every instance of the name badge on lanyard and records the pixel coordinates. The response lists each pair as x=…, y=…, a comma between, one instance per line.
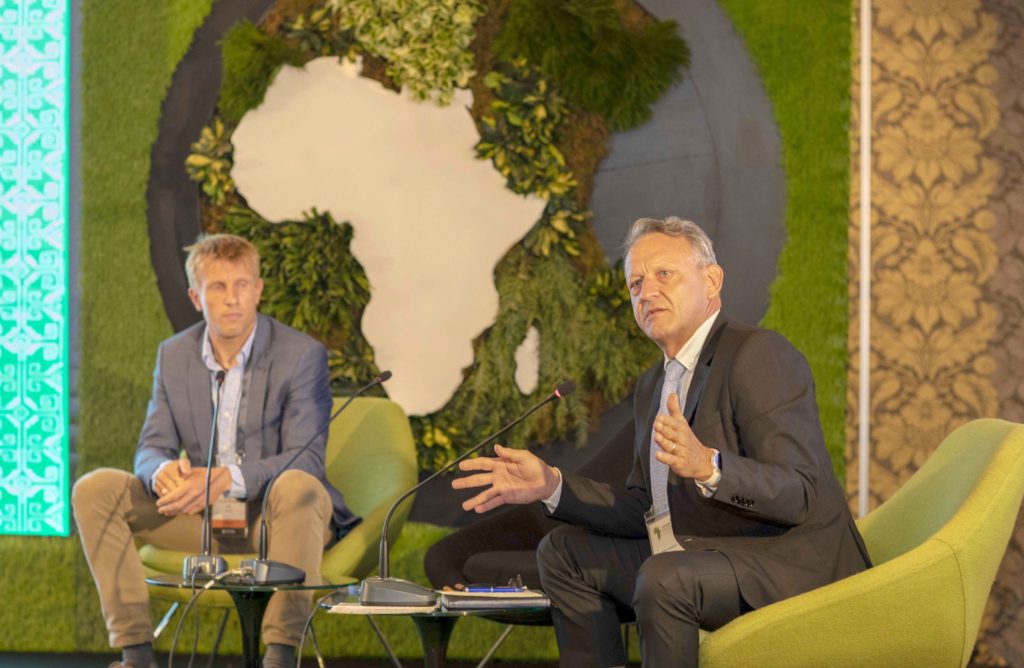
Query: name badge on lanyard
x=229, y=518
x=660, y=533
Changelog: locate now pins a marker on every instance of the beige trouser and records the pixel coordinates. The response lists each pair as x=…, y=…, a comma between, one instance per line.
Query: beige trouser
x=112, y=508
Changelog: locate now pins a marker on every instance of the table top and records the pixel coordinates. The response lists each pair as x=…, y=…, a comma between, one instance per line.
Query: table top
x=345, y=601
x=238, y=583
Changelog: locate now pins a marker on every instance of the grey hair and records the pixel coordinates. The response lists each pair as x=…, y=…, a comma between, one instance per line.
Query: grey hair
x=674, y=227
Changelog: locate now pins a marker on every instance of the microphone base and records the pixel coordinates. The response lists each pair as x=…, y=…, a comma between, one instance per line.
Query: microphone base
x=394, y=591
x=203, y=567
x=268, y=572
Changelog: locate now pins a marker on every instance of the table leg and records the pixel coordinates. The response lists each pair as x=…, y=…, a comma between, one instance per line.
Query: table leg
x=434, y=635
x=250, y=606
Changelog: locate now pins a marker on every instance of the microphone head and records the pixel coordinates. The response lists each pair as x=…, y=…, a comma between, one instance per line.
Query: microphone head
x=564, y=388
x=220, y=377
x=383, y=376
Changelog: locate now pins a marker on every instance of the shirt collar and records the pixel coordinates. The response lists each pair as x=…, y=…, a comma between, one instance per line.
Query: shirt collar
x=210, y=360
x=688, y=354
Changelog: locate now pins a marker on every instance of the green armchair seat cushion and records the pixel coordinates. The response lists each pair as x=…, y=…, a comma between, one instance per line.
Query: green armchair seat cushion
x=936, y=545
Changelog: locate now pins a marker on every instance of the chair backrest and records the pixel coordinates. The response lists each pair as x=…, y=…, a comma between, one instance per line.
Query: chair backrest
x=966, y=497
x=370, y=453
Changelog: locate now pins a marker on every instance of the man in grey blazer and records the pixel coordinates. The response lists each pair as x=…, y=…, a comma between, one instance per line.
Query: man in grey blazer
x=272, y=385
x=731, y=503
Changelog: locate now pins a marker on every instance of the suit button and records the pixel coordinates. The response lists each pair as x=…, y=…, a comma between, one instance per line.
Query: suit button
x=735, y=499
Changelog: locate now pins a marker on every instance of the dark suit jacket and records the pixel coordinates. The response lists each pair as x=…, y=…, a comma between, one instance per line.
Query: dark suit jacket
x=779, y=514
x=287, y=400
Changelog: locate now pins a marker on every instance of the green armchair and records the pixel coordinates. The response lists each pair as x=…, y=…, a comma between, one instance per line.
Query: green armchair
x=371, y=458
x=936, y=546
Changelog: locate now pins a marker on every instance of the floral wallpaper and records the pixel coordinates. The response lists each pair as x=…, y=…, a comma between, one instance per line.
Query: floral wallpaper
x=947, y=259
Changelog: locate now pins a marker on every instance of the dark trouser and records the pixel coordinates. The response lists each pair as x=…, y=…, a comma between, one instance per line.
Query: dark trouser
x=597, y=582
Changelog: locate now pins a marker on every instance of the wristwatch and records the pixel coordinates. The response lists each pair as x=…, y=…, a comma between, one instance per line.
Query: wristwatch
x=716, y=475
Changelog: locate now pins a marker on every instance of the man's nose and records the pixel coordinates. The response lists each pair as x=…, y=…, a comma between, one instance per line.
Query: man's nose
x=232, y=296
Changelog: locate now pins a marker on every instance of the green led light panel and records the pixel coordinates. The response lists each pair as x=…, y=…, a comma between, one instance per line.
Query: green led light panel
x=34, y=48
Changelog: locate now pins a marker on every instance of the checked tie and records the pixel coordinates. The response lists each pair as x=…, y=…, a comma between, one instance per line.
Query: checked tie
x=659, y=472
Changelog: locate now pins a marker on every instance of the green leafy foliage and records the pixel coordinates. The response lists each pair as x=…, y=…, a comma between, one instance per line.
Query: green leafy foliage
x=520, y=137
x=425, y=42
x=313, y=283
x=210, y=162
x=597, y=62
x=318, y=32
x=520, y=134
x=251, y=58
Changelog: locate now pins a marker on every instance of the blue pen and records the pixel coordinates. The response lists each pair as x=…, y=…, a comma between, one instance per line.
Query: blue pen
x=494, y=590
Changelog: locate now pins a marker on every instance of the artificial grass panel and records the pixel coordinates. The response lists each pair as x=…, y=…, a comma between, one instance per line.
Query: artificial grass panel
x=803, y=53
x=37, y=589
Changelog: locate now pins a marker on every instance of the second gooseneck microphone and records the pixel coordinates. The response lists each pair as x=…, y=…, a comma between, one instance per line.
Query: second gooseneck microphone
x=264, y=571
x=386, y=590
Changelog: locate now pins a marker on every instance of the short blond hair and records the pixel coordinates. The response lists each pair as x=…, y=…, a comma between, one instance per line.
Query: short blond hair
x=219, y=247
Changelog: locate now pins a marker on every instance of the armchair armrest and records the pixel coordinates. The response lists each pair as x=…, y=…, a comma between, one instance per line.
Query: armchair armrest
x=906, y=612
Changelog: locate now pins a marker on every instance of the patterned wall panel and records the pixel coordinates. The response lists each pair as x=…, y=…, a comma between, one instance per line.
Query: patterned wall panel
x=33, y=267
x=947, y=250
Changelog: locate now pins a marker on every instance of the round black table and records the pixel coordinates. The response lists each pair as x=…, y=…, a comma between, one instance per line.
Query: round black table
x=434, y=624
x=250, y=601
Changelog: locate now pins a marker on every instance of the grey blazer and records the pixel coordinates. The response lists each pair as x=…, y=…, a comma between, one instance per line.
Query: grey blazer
x=287, y=399
x=779, y=514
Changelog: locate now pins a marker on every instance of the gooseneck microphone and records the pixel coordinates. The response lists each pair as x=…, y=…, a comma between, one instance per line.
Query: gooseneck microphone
x=263, y=571
x=205, y=566
x=386, y=590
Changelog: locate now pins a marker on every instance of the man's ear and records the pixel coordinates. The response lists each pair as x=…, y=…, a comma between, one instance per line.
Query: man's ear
x=259, y=289
x=714, y=277
x=194, y=296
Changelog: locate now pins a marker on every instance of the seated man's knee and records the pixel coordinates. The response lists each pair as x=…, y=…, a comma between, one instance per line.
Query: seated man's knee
x=97, y=489
x=296, y=490
x=558, y=553
x=552, y=548
x=661, y=577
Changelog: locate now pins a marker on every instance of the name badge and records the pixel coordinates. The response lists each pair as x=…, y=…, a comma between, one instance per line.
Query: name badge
x=659, y=531
x=229, y=518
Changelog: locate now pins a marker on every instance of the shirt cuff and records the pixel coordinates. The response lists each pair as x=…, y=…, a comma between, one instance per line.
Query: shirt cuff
x=710, y=486
x=552, y=501
x=237, y=490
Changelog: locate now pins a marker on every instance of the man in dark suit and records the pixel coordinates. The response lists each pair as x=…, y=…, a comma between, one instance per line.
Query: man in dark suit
x=731, y=503
x=272, y=385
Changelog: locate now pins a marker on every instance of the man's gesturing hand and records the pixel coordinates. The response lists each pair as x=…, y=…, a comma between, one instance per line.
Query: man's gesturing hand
x=188, y=498
x=680, y=449
x=514, y=476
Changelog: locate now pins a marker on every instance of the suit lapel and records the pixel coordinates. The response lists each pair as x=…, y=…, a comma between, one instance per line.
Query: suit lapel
x=703, y=369
x=256, y=397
